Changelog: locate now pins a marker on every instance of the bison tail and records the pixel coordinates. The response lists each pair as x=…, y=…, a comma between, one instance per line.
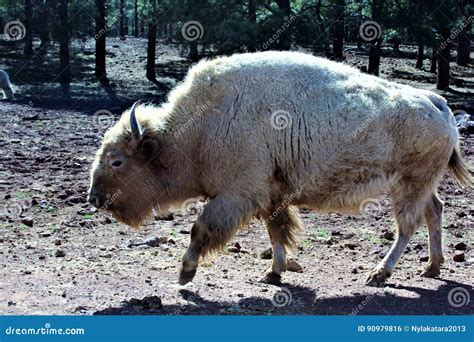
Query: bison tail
x=460, y=170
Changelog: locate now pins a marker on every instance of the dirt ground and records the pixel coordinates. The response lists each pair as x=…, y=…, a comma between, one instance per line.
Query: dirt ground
x=60, y=256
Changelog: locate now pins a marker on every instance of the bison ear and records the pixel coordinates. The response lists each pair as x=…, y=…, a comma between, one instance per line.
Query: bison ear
x=135, y=127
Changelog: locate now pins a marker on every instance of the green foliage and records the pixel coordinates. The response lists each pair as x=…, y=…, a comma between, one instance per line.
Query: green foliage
x=228, y=26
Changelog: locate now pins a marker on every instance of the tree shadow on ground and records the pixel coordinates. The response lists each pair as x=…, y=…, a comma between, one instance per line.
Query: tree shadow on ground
x=305, y=301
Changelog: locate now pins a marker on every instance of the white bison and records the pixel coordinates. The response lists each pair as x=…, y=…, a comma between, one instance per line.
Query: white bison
x=5, y=85
x=260, y=134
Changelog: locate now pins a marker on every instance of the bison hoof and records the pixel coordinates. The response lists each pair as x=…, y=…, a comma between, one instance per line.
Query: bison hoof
x=377, y=277
x=431, y=271
x=271, y=278
x=186, y=277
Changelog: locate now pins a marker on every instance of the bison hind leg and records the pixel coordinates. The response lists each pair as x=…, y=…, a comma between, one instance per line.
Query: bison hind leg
x=433, y=218
x=408, y=207
x=284, y=228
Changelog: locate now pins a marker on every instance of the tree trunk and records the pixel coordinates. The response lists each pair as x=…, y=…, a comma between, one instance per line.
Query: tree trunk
x=420, y=56
x=464, y=43
x=151, y=52
x=193, y=52
x=135, y=31
x=285, y=10
x=464, y=47
x=142, y=27
x=434, y=58
x=253, y=22
x=65, y=71
x=374, y=50
x=442, y=82
x=28, y=49
x=100, y=42
x=122, y=20
x=338, y=30
x=45, y=28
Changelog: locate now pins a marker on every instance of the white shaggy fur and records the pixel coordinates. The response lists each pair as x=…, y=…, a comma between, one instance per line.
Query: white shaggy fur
x=350, y=137
x=5, y=85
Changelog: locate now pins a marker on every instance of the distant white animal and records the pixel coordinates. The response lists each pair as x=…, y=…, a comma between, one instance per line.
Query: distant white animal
x=5, y=85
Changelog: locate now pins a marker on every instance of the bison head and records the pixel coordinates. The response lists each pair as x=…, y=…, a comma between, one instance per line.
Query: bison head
x=124, y=176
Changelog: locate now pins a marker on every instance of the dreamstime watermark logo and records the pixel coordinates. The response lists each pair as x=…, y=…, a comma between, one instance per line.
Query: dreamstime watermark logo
x=280, y=119
x=288, y=20
x=192, y=30
x=12, y=208
x=111, y=21
x=111, y=198
x=287, y=199
x=192, y=206
x=370, y=205
x=46, y=330
x=282, y=298
x=455, y=33
x=370, y=30
x=194, y=118
x=458, y=297
x=14, y=30
x=103, y=119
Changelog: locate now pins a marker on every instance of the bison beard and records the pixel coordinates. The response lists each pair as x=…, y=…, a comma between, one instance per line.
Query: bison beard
x=345, y=138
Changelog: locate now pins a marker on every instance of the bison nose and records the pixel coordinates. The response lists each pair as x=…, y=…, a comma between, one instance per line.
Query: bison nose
x=95, y=199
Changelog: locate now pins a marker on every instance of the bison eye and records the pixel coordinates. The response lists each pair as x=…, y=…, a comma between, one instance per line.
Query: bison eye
x=116, y=163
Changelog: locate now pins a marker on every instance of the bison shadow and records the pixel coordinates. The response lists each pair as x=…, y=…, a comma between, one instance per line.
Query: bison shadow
x=305, y=301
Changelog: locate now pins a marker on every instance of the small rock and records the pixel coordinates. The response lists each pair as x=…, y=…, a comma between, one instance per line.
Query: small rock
x=418, y=247
x=355, y=270
x=459, y=257
x=60, y=253
x=293, y=266
x=350, y=245
x=460, y=246
x=388, y=235
x=57, y=242
x=45, y=234
x=42, y=257
x=266, y=254
x=424, y=258
x=165, y=217
x=151, y=302
x=233, y=249
x=27, y=221
x=184, y=231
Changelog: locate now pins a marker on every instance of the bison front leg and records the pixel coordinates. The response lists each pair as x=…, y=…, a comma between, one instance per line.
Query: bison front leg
x=433, y=217
x=221, y=219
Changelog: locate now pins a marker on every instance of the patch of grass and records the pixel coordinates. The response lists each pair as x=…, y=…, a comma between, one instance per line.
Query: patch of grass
x=5, y=226
x=87, y=216
x=174, y=234
x=305, y=243
x=322, y=233
x=422, y=233
x=22, y=195
x=55, y=228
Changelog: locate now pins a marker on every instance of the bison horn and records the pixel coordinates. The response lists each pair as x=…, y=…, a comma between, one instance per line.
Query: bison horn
x=134, y=125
